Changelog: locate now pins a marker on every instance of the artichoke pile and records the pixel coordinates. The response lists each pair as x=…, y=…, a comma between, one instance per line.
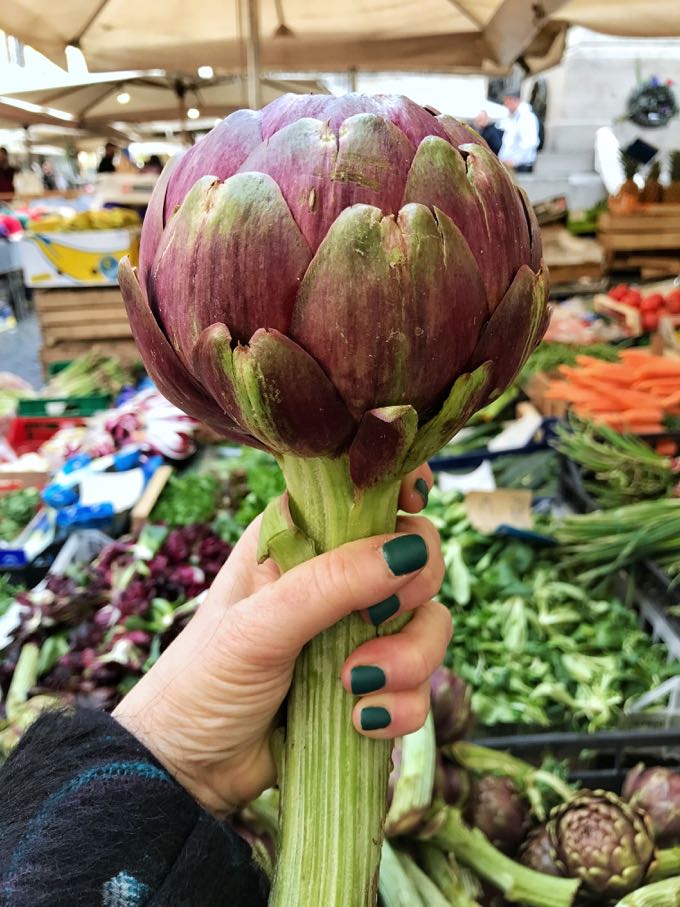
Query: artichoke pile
x=484, y=817
x=317, y=274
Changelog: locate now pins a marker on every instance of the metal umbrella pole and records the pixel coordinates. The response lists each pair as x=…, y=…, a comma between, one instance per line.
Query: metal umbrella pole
x=253, y=55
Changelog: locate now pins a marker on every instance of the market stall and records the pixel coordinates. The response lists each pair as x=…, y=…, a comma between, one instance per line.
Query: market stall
x=306, y=349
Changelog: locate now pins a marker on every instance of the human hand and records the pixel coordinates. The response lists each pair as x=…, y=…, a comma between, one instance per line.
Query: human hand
x=208, y=706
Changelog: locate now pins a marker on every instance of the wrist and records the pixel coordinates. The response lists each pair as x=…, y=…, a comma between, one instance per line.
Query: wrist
x=219, y=785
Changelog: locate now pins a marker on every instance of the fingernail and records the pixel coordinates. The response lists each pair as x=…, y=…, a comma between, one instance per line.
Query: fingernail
x=420, y=486
x=373, y=718
x=405, y=554
x=366, y=679
x=379, y=613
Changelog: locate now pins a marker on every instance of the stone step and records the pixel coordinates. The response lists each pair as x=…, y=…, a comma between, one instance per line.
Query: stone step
x=563, y=163
x=582, y=190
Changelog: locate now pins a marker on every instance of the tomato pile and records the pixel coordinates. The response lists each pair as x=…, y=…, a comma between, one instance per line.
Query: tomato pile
x=651, y=307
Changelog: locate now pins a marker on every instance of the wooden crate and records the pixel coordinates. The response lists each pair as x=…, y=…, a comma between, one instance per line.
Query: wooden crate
x=72, y=315
x=647, y=240
x=125, y=350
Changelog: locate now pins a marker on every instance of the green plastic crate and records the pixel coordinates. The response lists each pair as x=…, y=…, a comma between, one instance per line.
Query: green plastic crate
x=64, y=406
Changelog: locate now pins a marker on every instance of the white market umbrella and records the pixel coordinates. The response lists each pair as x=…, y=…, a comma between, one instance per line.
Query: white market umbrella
x=95, y=100
x=298, y=35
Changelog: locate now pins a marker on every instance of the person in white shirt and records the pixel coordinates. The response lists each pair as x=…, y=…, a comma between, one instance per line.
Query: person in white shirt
x=520, y=135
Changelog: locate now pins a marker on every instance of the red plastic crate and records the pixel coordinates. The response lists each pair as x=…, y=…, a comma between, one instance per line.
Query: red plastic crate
x=26, y=433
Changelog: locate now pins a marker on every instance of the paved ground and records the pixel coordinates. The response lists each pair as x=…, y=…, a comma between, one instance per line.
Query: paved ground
x=19, y=349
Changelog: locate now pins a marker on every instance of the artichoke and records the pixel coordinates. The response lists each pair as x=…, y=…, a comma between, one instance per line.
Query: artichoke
x=309, y=270
x=602, y=840
x=451, y=782
x=497, y=808
x=537, y=852
x=657, y=792
x=451, y=704
x=343, y=282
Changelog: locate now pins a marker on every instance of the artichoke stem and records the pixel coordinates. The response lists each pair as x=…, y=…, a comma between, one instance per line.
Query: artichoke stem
x=667, y=864
x=660, y=894
x=444, y=871
x=518, y=883
x=333, y=781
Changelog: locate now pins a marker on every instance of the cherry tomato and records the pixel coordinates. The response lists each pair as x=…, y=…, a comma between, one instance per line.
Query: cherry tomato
x=632, y=298
x=619, y=291
x=650, y=321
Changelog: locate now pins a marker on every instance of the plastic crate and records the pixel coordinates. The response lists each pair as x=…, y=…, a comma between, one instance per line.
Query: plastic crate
x=64, y=406
x=28, y=434
x=598, y=760
x=81, y=547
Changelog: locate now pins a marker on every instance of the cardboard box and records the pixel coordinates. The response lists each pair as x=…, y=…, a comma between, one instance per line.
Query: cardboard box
x=78, y=258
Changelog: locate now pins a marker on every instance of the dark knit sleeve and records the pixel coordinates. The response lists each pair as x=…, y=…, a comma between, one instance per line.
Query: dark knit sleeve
x=88, y=818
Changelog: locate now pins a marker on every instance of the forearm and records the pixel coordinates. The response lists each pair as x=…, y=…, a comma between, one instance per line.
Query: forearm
x=87, y=812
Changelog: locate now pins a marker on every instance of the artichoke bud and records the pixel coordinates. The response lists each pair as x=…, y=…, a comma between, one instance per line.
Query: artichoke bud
x=331, y=275
x=599, y=838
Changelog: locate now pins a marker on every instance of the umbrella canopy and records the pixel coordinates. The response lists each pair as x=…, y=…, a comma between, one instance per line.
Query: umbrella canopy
x=460, y=35
x=91, y=101
x=14, y=114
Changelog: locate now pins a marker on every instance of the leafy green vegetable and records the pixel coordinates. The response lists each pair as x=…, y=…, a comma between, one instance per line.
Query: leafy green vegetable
x=17, y=508
x=8, y=592
x=536, y=648
x=254, y=480
x=539, y=472
x=89, y=374
x=187, y=499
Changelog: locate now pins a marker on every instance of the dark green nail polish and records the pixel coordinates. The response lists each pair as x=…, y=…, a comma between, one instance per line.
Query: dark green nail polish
x=373, y=718
x=366, y=679
x=379, y=613
x=420, y=486
x=405, y=554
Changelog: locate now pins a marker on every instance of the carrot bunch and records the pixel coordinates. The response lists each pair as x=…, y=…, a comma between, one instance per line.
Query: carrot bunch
x=634, y=394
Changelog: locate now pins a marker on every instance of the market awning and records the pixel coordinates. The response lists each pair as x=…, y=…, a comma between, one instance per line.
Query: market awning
x=460, y=35
x=91, y=101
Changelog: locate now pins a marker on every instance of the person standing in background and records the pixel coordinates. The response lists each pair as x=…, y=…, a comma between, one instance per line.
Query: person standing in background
x=6, y=174
x=492, y=135
x=106, y=164
x=520, y=135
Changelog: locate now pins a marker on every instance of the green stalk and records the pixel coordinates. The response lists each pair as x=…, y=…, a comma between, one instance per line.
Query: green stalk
x=396, y=887
x=447, y=875
x=333, y=780
x=660, y=894
x=426, y=888
x=517, y=882
x=413, y=789
x=25, y=677
x=667, y=864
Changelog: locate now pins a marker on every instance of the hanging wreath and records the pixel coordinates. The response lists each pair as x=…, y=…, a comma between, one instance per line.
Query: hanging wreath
x=652, y=104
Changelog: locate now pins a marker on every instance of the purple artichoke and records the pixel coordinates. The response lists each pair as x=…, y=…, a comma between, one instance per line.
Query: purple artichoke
x=602, y=840
x=327, y=274
x=657, y=792
x=451, y=782
x=497, y=808
x=451, y=704
x=537, y=852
